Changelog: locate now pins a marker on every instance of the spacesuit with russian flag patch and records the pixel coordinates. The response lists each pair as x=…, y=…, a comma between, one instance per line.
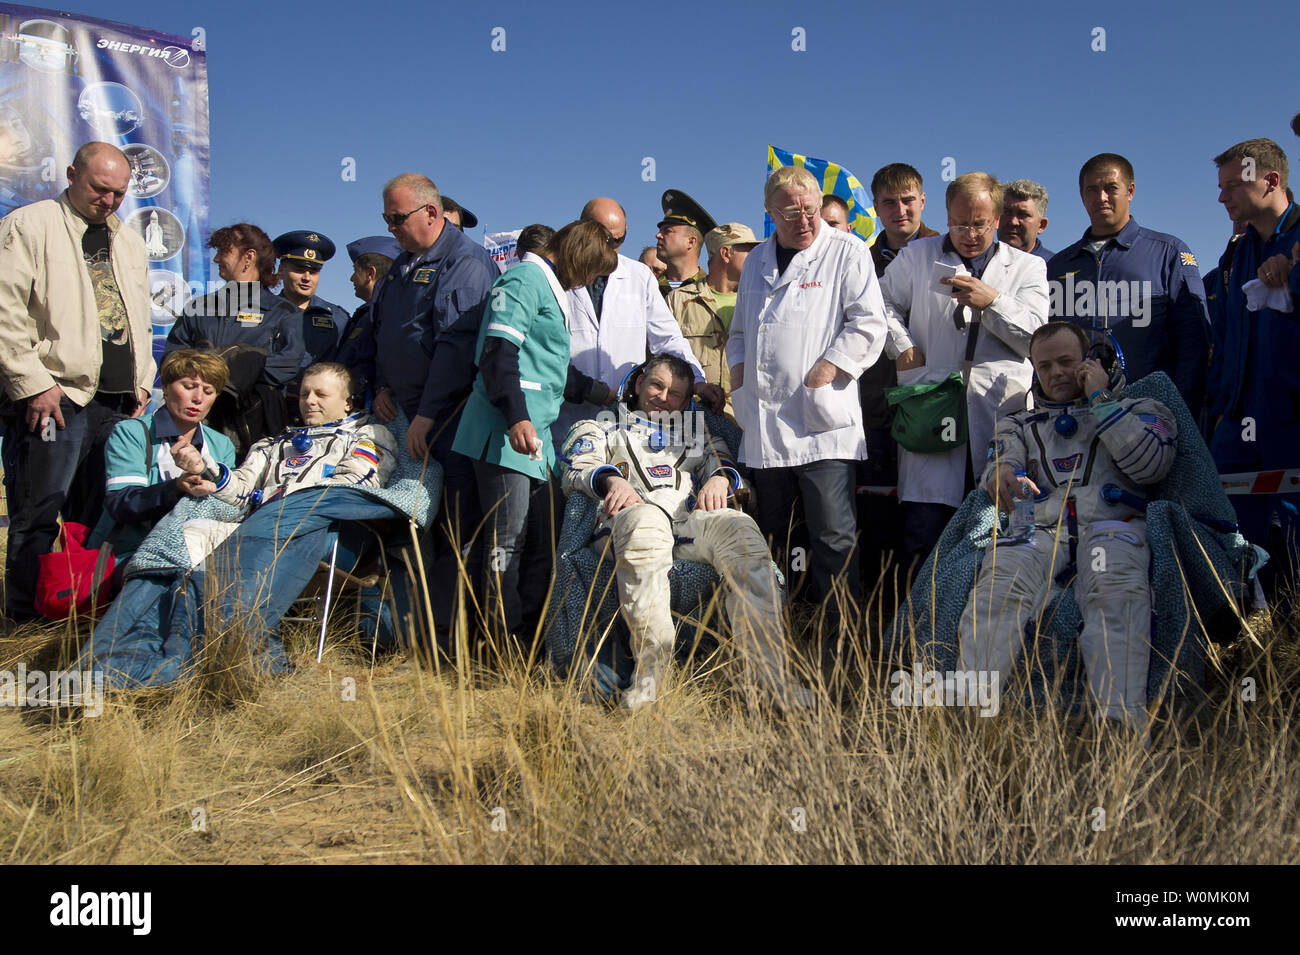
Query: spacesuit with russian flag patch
x=1092, y=465
x=667, y=457
x=352, y=451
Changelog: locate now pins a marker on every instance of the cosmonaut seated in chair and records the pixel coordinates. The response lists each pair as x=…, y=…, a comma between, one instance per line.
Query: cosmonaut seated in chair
x=665, y=483
x=1079, y=440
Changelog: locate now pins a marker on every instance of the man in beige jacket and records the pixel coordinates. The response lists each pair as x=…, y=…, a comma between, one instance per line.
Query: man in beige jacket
x=703, y=307
x=75, y=350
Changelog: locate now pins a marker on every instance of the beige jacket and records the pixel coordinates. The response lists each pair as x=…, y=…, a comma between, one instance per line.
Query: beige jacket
x=49, y=323
x=696, y=311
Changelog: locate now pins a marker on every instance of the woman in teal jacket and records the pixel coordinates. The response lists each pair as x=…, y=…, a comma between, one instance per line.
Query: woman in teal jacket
x=523, y=360
x=144, y=482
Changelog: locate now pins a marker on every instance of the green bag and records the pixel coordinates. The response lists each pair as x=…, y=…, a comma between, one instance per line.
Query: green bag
x=924, y=415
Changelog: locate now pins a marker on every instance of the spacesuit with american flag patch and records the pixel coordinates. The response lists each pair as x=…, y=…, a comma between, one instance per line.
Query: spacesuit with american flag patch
x=667, y=457
x=1092, y=464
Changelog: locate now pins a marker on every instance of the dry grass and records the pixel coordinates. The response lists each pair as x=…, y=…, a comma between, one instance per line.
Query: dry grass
x=506, y=764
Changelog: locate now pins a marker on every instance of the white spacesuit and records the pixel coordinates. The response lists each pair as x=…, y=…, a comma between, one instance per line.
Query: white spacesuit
x=666, y=462
x=354, y=450
x=1074, y=452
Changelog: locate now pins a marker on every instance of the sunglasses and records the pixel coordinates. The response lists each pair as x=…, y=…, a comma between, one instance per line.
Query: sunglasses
x=397, y=218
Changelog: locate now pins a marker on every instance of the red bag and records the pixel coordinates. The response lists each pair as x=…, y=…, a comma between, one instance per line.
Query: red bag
x=68, y=576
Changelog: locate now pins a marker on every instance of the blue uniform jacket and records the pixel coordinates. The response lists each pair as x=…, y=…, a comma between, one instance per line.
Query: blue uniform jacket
x=1256, y=373
x=322, y=325
x=426, y=317
x=356, y=348
x=1174, y=337
x=228, y=317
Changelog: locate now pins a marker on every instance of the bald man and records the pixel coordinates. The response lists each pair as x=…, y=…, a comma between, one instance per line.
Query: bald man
x=76, y=354
x=614, y=321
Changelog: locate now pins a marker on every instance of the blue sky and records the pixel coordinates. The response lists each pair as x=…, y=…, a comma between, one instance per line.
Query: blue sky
x=584, y=92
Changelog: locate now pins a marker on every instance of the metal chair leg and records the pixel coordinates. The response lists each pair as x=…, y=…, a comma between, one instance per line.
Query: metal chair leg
x=329, y=594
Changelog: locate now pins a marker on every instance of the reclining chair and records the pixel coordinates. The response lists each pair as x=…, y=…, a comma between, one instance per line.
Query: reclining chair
x=1202, y=571
x=374, y=559
x=583, y=617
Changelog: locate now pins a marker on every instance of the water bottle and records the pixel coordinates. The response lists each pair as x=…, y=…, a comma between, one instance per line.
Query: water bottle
x=1021, y=522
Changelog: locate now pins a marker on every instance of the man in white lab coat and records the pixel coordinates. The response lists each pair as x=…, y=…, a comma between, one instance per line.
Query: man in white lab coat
x=961, y=302
x=616, y=322
x=809, y=320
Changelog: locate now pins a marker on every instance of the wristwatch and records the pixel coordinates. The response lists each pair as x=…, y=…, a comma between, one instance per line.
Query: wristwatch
x=1101, y=394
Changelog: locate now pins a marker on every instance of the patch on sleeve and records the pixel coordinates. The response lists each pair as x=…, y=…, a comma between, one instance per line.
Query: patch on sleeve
x=581, y=446
x=1155, y=424
x=367, y=450
x=1186, y=258
x=621, y=468
x=997, y=448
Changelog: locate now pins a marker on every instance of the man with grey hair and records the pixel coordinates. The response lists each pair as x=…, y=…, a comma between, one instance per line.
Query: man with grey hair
x=426, y=317
x=809, y=320
x=1024, y=217
x=76, y=353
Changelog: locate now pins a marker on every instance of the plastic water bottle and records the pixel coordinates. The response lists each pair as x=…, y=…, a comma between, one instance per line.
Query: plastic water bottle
x=1021, y=522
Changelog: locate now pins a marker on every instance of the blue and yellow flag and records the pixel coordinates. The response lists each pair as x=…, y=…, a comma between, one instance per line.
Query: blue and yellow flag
x=836, y=181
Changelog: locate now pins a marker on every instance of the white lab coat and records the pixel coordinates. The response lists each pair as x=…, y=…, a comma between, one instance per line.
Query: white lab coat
x=826, y=304
x=635, y=323
x=1000, y=374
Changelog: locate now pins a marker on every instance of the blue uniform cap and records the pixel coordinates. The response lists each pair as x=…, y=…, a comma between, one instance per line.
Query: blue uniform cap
x=304, y=247
x=383, y=244
x=467, y=219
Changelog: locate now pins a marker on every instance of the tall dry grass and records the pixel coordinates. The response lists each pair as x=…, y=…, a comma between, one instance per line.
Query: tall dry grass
x=349, y=761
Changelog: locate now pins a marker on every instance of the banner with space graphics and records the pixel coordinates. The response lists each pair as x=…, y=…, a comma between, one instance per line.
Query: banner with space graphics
x=66, y=80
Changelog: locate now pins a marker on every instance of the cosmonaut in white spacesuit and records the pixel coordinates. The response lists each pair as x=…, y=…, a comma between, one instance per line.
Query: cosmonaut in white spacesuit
x=665, y=483
x=1088, y=456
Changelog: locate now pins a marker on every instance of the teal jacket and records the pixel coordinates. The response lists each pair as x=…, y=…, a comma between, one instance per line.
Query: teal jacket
x=138, y=493
x=525, y=309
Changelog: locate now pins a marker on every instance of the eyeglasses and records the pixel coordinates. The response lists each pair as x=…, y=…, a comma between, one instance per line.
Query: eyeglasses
x=971, y=231
x=614, y=241
x=795, y=214
x=397, y=218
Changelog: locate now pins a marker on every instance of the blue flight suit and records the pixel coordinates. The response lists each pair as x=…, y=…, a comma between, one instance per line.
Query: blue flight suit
x=322, y=326
x=1175, y=336
x=356, y=349
x=426, y=316
x=1042, y=251
x=224, y=317
x=1255, y=379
